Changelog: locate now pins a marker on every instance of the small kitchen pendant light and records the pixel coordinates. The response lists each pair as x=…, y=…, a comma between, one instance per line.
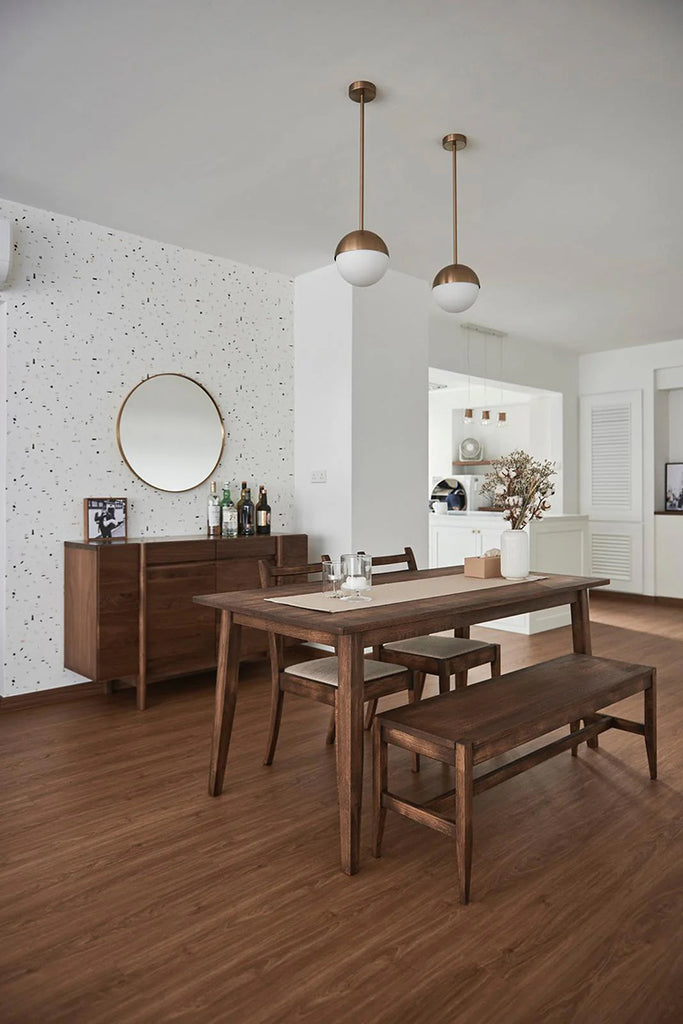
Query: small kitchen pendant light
x=362, y=257
x=455, y=287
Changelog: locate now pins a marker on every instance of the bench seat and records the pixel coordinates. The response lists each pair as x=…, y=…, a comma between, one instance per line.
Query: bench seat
x=467, y=727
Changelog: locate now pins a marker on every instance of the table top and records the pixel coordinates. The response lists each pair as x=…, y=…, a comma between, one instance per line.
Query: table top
x=251, y=607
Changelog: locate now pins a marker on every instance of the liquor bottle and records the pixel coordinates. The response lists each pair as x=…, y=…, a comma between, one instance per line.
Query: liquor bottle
x=213, y=513
x=239, y=508
x=247, y=515
x=262, y=512
x=228, y=514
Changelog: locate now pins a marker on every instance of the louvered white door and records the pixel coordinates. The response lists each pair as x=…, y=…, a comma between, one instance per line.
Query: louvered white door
x=612, y=456
x=611, y=485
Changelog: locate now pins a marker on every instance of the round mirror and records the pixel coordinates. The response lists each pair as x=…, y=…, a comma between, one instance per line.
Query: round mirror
x=170, y=432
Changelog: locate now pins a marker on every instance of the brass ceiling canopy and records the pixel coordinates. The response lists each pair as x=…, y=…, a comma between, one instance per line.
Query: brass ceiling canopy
x=362, y=257
x=456, y=286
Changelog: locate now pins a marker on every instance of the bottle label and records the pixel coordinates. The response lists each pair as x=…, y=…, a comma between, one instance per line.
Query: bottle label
x=214, y=515
x=262, y=517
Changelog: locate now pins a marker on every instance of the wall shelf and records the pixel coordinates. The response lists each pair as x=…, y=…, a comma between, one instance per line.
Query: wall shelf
x=472, y=462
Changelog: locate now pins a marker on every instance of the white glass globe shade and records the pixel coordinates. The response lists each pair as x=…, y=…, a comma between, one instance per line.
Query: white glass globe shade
x=456, y=296
x=362, y=267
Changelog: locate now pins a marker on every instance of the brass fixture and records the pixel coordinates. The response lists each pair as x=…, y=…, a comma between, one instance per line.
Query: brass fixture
x=456, y=286
x=362, y=256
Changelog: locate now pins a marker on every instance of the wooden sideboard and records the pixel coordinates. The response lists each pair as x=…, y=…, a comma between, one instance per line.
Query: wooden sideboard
x=128, y=609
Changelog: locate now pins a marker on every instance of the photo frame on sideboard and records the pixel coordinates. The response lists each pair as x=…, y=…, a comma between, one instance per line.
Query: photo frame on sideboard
x=105, y=519
x=673, y=487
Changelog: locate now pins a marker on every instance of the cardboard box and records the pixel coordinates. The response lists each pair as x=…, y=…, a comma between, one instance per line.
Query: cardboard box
x=483, y=568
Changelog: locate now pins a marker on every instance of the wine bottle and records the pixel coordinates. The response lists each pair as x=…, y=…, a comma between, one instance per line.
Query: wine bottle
x=262, y=512
x=240, y=503
x=247, y=515
x=228, y=514
x=213, y=513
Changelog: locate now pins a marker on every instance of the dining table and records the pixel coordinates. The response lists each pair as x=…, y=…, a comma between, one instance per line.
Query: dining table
x=450, y=602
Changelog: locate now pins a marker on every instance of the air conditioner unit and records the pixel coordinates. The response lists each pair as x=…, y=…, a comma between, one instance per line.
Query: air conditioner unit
x=5, y=250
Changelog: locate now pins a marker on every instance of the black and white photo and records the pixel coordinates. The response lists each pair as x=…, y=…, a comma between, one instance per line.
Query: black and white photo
x=674, y=487
x=105, y=518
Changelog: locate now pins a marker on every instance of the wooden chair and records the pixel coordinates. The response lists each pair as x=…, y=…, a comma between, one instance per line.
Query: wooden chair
x=441, y=656
x=317, y=679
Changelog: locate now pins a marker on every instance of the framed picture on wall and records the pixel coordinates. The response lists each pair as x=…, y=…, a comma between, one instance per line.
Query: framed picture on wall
x=673, y=488
x=105, y=518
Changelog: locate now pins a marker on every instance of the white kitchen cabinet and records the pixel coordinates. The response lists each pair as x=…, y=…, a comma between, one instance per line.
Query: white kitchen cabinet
x=669, y=555
x=556, y=544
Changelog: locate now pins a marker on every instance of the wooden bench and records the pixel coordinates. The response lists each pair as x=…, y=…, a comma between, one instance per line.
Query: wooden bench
x=466, y=727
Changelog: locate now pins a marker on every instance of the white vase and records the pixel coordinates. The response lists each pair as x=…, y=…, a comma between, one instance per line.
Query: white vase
x=514, y=554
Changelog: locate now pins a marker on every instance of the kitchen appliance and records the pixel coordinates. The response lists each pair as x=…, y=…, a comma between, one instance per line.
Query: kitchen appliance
x=448, y=495
x=471, y=484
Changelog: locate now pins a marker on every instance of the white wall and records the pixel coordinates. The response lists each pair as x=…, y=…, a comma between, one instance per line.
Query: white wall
x=675, y=453
x=361, y=413
x=537, y=366
x=90, y=313
x=635, y=369
x=323, y=316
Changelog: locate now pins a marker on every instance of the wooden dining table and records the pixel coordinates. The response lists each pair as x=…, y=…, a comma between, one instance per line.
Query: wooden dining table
x=350, y=632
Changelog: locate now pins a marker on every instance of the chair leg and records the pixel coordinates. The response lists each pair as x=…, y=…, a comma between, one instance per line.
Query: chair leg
x=460, y=680
x=418, y=687
x=463, y=817
x=445, y=679
x=332, y=727
x=276, y=702
x=495, y=664
x=380, y=777
x=370, y=713
x=650, y=697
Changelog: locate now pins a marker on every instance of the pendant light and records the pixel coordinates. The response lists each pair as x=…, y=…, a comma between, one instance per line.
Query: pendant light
x=486, y=413
x=362, y=257
x=469, y=415
x=455, y=287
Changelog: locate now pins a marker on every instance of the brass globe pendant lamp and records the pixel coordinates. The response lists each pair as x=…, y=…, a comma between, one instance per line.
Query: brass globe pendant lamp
x=455, y=287
x=362, y=257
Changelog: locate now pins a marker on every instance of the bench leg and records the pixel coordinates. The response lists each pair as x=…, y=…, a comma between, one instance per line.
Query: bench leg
x=495, y=664
x=574, y=727
x=380, y=777
x=463, y=817
x=650, y=698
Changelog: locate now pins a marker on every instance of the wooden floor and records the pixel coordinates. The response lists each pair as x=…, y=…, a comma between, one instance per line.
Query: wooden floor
x=127, y=894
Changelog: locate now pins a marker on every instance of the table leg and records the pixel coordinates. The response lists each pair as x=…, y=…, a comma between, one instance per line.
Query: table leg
x=581, y=638
x=350, y=748
x=227, y=675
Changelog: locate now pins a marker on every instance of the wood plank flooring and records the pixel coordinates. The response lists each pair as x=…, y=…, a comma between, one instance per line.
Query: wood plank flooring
x=129, y=895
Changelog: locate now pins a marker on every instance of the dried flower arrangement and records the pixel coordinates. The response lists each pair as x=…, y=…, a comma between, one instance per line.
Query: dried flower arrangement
x=520, y=485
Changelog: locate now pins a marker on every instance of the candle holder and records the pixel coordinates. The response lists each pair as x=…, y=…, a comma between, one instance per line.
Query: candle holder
x=356, y=572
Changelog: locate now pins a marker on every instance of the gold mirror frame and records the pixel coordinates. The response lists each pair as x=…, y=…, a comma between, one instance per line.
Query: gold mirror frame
x=125, y=457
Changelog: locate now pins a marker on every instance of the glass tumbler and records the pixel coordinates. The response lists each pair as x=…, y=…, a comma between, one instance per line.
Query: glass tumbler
x=331, y=577
x=356, y=571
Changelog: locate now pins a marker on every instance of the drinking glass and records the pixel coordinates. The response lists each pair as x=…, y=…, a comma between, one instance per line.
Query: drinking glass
x=356, y=571
x=331, y=577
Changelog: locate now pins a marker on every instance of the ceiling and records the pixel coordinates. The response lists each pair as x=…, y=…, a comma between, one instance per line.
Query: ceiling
x=225, y=127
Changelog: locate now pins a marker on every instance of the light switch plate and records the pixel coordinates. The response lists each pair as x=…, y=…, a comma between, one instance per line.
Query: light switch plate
x=319, y=476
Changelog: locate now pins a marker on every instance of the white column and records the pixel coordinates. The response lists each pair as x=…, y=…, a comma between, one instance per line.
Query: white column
x=361, y=413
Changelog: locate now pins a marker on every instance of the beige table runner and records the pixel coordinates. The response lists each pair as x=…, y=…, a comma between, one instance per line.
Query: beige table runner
x=397, y=593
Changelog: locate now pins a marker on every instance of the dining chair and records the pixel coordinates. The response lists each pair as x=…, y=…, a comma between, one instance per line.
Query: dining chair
x=441, y=656
x=318, y=679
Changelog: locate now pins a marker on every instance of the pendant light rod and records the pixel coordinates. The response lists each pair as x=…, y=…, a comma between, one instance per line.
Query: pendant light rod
x=362, y=93
x=455, y=209
x=361, y=200
x=453, y=142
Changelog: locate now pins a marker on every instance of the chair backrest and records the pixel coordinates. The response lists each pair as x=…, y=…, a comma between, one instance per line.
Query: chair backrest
x=406, y=559
x=280, y=575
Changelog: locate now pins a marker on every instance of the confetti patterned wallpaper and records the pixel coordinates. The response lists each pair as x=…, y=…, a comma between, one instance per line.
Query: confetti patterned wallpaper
x=89, y=313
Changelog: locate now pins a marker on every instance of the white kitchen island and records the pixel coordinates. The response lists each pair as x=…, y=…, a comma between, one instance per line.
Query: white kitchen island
x=557, y=543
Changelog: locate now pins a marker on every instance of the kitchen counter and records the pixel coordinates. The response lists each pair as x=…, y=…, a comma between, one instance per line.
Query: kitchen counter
x=557, y=543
